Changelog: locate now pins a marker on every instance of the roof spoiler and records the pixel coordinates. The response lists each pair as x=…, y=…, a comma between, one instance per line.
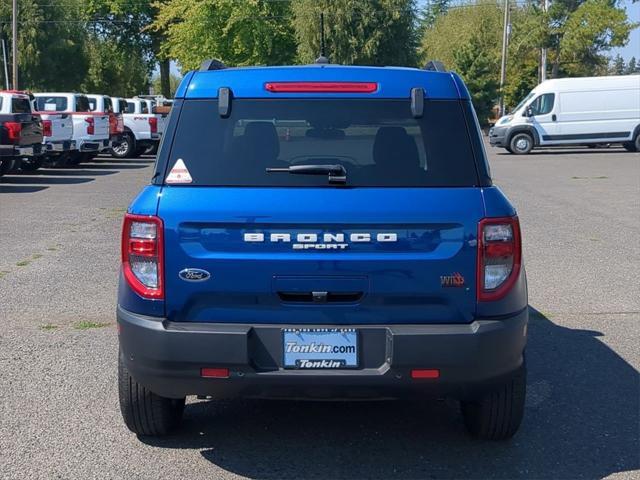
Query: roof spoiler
x=212, y=64
x=435, y=66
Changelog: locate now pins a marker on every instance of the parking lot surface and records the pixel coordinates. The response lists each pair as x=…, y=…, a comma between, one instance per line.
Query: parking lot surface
x=59, y=417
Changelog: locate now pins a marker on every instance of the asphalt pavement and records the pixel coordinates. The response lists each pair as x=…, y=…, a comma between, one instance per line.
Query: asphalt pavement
x=59, y=416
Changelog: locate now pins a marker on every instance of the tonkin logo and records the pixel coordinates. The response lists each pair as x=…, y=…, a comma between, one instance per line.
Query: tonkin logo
x=454, y=280
x=194, y=275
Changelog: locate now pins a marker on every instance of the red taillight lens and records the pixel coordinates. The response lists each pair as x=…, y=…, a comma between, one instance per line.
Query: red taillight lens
x=425, y=373
x=214, y=372
x=153, y=123
x=91, y=125
x=321, y=87
x=113, y=124
x=499, y=257
x=13, y=131
x=120, y=124
x=46, y=128
x=142, y=255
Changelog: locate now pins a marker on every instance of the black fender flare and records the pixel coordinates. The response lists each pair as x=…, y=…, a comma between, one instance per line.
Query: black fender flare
x=523, y=129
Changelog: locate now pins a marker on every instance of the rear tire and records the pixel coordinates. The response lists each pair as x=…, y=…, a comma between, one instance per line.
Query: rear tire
x=497, y=414
x=126, y=148
x=144, y=412
x=33, y=164
x=6, y=166
x=521, y=143
x=633, y=146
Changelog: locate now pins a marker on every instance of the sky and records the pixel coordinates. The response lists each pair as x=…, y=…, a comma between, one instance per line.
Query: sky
x=632, y=49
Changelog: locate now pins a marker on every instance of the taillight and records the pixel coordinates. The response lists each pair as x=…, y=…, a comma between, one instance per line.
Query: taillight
x=120, y=124
x=91, y=125
x=153, y=123
x=113, y=124
x=142, y=255
x=13, y=131
x=46, y=128
x=499, y=257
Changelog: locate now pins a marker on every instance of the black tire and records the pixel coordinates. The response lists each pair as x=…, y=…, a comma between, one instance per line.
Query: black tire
x=6, y=166
x=139, y=151
x=497, y=414
x=508, y=149
x=32, y=164
x=521, y=143
x=75, y=158
x=144, y=412
x=633, y=146
x=152, y=150
x=126, y=148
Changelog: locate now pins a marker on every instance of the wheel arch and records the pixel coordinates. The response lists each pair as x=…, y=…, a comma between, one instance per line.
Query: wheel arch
x=524, y=129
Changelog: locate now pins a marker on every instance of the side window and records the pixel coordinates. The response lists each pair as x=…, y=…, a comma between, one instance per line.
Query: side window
x=143, y=107
x=543, y=104
x=108, y=106
x=131, y=107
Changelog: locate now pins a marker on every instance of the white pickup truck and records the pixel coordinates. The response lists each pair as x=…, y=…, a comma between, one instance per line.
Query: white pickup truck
x=90, y=130
x=106, y=104
x=141, y=129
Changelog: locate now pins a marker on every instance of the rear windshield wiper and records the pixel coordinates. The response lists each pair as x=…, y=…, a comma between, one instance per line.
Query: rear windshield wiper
x=336, y=173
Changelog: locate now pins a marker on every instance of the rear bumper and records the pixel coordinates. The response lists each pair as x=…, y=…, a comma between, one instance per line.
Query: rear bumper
x=166, y=357
x=20, y=151
x=60, y=146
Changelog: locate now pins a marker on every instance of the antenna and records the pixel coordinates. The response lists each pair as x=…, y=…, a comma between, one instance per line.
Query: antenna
x=322, y=58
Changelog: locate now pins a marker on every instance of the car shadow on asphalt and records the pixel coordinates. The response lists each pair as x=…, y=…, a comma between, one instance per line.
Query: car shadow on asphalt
x=4, y=188
x=582, y=421
x=29, y=179
x=565, y=152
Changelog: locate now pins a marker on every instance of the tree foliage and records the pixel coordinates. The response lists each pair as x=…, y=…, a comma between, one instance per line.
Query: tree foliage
x=358, y=32
x=250, y=32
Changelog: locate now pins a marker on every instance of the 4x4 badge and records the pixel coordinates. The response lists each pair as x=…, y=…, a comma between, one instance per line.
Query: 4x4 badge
x=194, y=275
x=454, y=280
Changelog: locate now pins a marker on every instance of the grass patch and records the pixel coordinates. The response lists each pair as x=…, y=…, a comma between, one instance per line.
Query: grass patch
x=23, y=263
x=52, y=248
x=48, y=326
x=36, y=256
x=86, y=325
x=3, y=273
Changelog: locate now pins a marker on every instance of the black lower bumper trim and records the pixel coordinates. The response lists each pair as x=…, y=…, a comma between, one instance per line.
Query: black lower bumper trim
x=167, y=357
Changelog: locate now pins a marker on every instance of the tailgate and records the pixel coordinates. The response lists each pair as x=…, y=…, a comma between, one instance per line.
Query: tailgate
x=101, y=126
x=31, y=132
x=61, y=126
x=375, y=256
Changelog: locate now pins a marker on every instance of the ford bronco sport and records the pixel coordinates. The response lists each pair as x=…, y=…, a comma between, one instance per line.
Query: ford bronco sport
x=327, y=232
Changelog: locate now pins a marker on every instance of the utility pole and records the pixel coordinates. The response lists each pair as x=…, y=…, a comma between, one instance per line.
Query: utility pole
x=543, y=53
x=503, y=64
x=14, y=44
x=5, y=61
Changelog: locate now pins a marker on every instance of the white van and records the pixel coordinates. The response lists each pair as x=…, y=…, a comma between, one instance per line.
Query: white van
x=573, y=111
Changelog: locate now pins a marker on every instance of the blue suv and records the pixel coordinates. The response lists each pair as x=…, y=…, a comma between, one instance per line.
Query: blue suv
x=322, y=231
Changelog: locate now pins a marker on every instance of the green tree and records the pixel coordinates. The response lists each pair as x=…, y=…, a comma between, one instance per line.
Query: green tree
x=430, y=13
x=618, y=67
x=476, y=66
x=632, y=67
x=358, y=32
x=50, y=43
x=581, y=31
x=174, y=82
x=248, y=32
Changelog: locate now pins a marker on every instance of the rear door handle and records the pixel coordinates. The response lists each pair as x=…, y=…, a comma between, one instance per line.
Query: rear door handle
x=553, y=117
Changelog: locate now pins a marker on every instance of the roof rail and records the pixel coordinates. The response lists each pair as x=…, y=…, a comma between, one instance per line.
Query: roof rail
x=435, y=66
x=212, y=64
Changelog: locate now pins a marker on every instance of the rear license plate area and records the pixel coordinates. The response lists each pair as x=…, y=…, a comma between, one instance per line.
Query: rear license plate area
x=320, y=348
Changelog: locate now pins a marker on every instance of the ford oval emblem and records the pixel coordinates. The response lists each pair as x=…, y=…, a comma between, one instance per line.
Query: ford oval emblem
x=194, y=275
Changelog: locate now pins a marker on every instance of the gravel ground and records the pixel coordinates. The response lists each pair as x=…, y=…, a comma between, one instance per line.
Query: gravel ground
x=59, y=416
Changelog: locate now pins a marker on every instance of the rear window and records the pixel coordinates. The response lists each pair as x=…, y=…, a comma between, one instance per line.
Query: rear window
x=82, y=104
x=92, y=103
x=20, y=105
x=378, y=142
x=52, y=104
